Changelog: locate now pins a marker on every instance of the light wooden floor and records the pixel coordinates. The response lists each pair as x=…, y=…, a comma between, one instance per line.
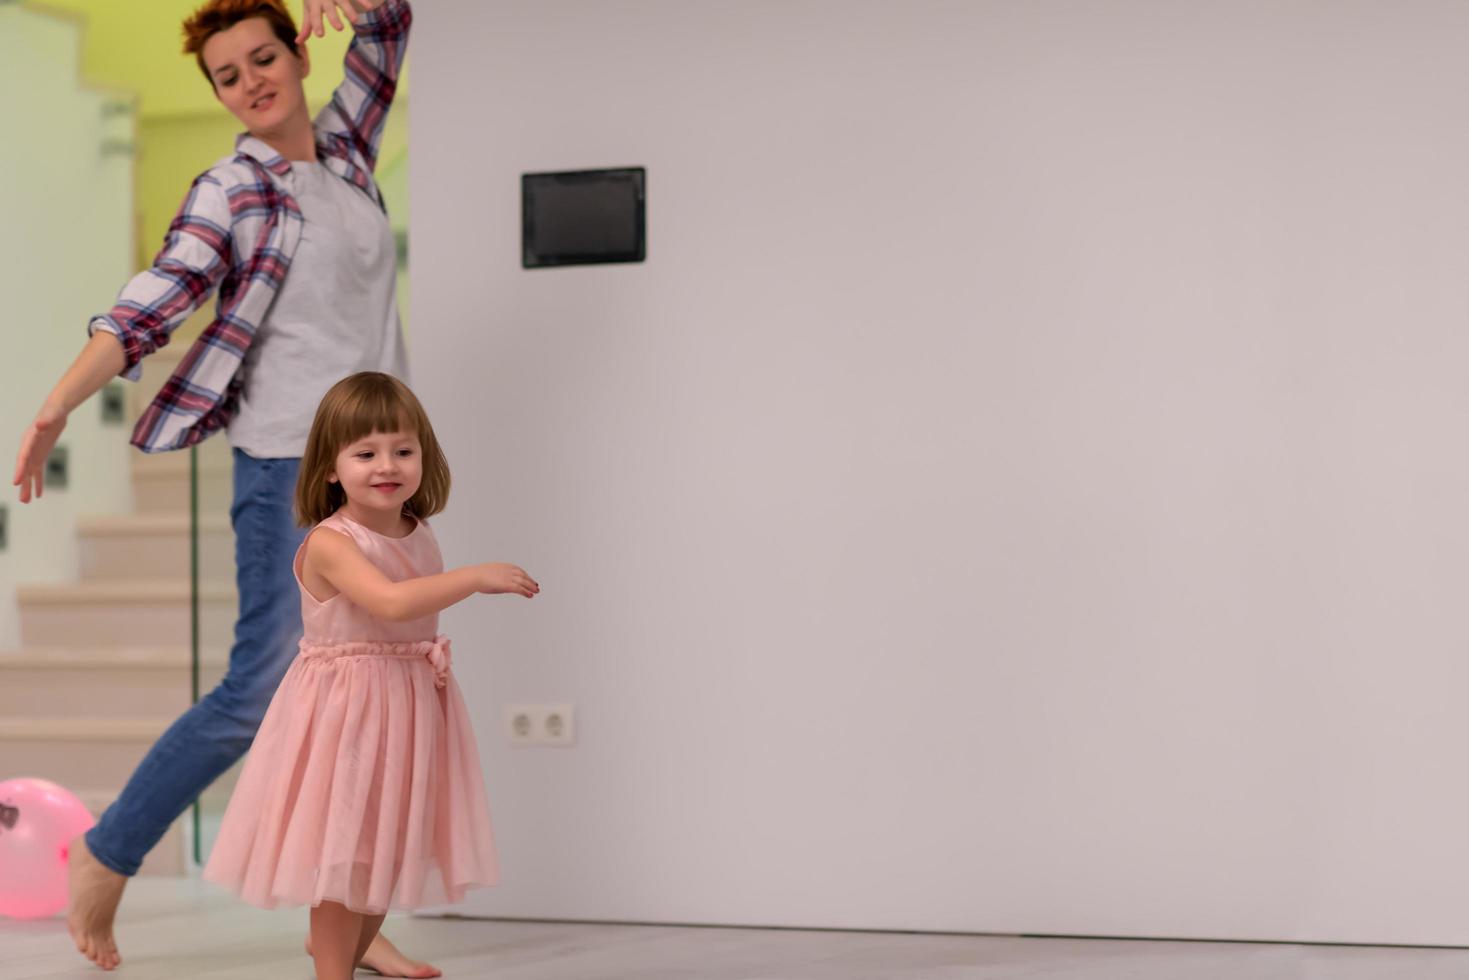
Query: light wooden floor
x=177, y=928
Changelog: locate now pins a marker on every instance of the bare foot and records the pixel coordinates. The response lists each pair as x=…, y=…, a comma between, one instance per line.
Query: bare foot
x=384, y=958
x=96, y=891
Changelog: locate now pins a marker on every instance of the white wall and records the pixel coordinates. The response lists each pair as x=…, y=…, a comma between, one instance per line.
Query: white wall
x=1023, y=490
x=65, y=248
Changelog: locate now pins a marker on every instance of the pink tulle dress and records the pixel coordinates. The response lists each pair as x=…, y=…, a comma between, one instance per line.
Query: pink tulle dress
x=363, y=785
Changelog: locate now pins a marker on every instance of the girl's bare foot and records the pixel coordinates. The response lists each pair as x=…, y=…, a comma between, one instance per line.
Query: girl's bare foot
x=385, y=959
x=96, y=891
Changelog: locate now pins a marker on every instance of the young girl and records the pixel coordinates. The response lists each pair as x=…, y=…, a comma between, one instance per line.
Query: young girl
x=362, y=792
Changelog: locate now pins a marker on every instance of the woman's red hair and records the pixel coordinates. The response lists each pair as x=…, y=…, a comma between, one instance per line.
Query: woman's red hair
x=221, y=15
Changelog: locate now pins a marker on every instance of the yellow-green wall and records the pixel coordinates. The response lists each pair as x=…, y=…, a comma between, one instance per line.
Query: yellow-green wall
x=137, y=44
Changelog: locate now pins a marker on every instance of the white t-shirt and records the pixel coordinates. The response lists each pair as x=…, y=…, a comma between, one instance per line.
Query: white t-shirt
x=336, y=314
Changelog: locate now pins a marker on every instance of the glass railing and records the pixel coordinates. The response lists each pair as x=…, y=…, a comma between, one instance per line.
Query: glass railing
x=213, y=609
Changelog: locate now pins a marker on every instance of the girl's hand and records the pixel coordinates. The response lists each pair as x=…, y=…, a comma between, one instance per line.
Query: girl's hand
x=498, y=578
x=313, y=11
x=35, y=447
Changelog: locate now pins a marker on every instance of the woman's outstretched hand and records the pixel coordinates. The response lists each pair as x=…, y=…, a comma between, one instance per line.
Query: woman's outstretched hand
x=35, y=447
x=498, y=578
x=316, y=13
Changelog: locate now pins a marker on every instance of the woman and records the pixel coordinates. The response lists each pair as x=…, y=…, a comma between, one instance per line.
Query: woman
x=292, y=234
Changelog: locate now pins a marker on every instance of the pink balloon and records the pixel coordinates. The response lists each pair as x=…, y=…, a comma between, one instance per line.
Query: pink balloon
x=38, y=822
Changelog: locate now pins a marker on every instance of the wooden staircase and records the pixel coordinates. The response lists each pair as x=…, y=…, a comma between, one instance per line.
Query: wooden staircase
x=105, y=664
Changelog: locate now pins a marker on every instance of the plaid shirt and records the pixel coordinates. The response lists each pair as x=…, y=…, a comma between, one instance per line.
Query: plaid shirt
x=237, y=231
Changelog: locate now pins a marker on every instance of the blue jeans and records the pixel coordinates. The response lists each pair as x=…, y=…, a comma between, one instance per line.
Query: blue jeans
x=212, y=735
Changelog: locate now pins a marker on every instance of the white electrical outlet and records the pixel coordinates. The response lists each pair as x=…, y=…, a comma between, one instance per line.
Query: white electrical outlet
x=522, y=724
x=541, y=724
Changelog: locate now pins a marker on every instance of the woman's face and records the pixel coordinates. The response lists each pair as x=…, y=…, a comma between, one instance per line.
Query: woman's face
x=256, y=76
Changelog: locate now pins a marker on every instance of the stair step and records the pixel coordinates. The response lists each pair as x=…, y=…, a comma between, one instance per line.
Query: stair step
x=87, y=657
x=154, y=545
x=113, y=613
x=94, y=683
x=119, y=591
x=161, y=480
x=154, y=492
x=214, y=457
x=76, y=751
x=129, y=525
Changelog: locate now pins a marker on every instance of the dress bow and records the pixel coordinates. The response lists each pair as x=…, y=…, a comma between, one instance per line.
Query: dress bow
x=439, y=658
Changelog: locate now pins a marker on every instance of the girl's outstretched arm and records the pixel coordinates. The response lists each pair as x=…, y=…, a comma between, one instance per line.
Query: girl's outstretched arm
x=335, y=559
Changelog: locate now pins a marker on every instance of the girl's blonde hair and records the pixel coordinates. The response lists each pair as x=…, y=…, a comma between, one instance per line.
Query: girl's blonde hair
x=355, y=407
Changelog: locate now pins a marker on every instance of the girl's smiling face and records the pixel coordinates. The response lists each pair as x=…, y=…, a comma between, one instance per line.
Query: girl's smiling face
x=380, y=472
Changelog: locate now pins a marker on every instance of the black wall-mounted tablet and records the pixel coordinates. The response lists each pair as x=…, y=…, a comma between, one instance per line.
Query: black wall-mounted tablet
x=580, y=217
